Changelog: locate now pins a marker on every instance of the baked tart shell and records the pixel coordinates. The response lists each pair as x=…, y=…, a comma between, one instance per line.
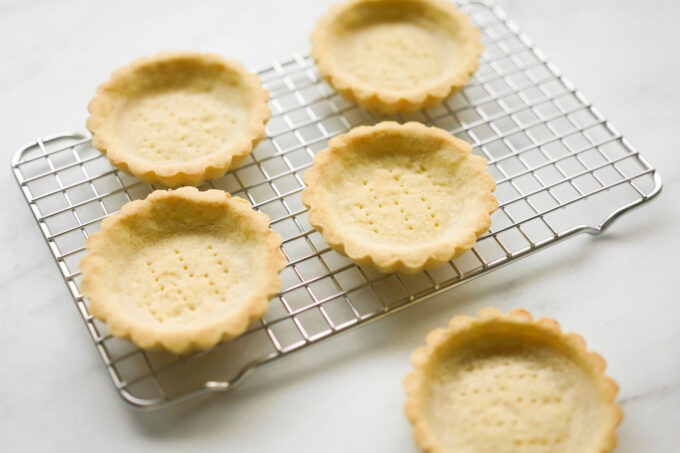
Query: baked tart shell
x=399, y=197
x=182, y=270
x=507, y=382
x=396, y=56
x=179, y=118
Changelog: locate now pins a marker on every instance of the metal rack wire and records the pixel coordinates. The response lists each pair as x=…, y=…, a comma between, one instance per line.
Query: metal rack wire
x=561, y=169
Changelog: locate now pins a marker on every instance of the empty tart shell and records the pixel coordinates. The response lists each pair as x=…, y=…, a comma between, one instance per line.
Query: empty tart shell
x=399, y=197
x=396, y=56
x=182, y=270
x=509, y=383
x=179, y=118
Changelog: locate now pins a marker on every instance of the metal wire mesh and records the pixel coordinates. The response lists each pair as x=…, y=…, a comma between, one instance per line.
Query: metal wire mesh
x=561, y=169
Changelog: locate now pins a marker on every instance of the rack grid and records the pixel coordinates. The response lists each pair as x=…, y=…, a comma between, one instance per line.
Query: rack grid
x=561, y=169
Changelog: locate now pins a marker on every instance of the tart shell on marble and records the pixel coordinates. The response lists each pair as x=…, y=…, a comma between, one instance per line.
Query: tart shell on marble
x=510, y=383
x=179, y=118
x=182, y=269
x=396, y=56
x=399, y=197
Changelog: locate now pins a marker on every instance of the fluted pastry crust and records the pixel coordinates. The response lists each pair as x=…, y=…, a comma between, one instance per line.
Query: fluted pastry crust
x=399, y=197
x=182, y=269
x=396, y=56
x=179, y=118
x=507, y=382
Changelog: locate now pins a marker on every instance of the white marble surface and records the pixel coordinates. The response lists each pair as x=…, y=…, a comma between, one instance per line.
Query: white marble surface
x=619, y=290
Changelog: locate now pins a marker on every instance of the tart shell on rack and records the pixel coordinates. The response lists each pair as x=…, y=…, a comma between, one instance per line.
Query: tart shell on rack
x=396, y=56
x=399, y=197
x=182, y=270
x=179, y=118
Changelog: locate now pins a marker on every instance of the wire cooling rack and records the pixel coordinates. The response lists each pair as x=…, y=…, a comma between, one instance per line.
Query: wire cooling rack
x=561, y=169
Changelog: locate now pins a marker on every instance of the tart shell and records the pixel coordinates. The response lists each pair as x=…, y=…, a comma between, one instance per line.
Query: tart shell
x=182, y=270
x=418, y=52
x=171, y=119
x=399, y=197
x=526, y=387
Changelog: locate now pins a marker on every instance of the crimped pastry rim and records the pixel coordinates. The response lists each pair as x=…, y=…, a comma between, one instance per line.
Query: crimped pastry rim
x=364, y=252
x=518, y=319
x=185, y=173
x=388, y=101
x=182, y=341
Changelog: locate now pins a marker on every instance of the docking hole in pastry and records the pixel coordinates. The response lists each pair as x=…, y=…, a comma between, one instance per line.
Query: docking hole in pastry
x=512, y=384
x=179, y=118
x=396, y=56
x=399, y=197
x=182, y=269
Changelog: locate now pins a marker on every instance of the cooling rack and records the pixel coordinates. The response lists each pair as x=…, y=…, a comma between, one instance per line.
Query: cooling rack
x=561, y=169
